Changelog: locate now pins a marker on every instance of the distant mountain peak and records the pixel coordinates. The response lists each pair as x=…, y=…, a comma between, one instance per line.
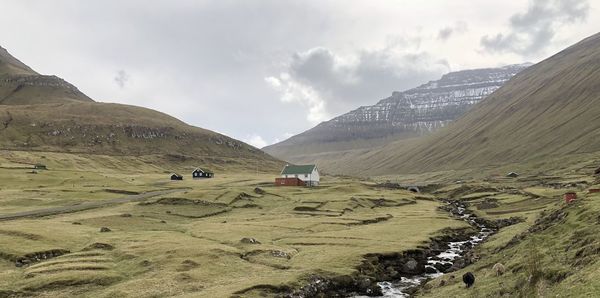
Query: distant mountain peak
x=404, y=114
x=21, y=85
x=10, y=65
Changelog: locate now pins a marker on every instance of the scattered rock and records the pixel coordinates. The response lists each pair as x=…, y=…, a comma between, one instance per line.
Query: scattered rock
x=488, y=203
x=280, y=254
x=145, y=263
x=187, y=265
x=35, y=257
x=247, y=240
x=389, y=185
x=98, y=245
x=430, y=270
x=443, y=267
x=305, y=208
x=162, y=221
x=76, y=223
x=259, y=191
x=105, y=229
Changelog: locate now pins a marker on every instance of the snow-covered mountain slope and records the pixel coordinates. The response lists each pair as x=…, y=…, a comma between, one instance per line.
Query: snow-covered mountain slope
x=407, y=114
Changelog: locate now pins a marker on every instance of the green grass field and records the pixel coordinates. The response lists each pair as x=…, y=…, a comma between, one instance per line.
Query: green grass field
x=188, y=243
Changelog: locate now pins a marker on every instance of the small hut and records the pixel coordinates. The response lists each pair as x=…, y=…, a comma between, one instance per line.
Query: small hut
x=570, y=197
x=200, y=173
x=176, y=176
x=512, y=175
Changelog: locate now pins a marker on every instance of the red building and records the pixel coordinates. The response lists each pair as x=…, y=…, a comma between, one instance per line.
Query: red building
x=570, y=197
x=289, y=182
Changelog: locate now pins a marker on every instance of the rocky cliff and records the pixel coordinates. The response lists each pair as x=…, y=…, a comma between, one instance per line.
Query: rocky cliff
x=406, y=114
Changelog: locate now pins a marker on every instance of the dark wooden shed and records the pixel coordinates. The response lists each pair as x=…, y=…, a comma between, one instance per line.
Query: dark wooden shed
x=200, y=173
x=176, y=177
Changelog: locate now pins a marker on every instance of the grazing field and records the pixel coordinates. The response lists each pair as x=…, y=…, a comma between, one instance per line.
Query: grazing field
x=197, y=240
x=237, y=235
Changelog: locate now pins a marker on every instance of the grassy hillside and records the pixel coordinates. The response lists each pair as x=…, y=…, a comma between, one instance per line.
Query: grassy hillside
x=551, y=109
x=47, y=114
x=21, y=85
x=114, y=129
x=553, y=254
x=10, y=65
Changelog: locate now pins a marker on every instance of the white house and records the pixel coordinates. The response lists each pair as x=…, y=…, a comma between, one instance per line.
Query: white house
x=309, y=174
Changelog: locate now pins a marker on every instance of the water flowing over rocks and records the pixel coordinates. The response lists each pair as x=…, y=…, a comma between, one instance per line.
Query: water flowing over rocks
x=401, y=274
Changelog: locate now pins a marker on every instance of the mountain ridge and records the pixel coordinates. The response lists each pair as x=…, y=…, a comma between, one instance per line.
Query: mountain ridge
x=549, y=110
x=46, y=113
x=407, y=114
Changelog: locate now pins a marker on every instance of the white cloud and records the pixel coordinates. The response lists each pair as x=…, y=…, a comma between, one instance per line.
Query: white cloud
x=256, y=141
x=296, y=92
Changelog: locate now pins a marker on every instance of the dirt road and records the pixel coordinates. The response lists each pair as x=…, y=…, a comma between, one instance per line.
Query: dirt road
x=88, y=205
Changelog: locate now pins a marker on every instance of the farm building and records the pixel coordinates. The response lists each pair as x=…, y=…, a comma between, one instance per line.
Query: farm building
x=199, y=173
x=512, y=175
x=570, y=197
x=308, y=174
x=289, y=182
x=176, y=177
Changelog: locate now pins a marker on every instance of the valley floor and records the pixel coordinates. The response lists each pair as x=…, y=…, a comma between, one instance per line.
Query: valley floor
x=189, y=242
x=225, y=236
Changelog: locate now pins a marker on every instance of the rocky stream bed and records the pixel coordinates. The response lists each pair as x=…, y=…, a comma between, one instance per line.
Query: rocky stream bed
x=401, y=274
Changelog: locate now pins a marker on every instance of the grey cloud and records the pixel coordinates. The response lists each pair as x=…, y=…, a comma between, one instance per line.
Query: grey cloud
x=530, y=32
x=330, y=84
x=121, y=78
x=446, y=32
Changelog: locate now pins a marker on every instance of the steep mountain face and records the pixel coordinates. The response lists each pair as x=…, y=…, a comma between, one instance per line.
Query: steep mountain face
x=46, y=113
x=549, y=110
x=407, y=114
x=19, y=84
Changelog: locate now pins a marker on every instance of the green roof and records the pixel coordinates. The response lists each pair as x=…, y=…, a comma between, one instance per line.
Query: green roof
x=300, y=169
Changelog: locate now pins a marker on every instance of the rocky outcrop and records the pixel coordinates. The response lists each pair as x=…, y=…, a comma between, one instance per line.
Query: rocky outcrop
x=39, y=256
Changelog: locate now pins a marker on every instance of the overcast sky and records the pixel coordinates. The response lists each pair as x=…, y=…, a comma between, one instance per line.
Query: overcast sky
x=260, y=71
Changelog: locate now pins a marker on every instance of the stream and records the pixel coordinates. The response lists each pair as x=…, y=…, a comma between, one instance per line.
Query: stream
x=455, y=250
